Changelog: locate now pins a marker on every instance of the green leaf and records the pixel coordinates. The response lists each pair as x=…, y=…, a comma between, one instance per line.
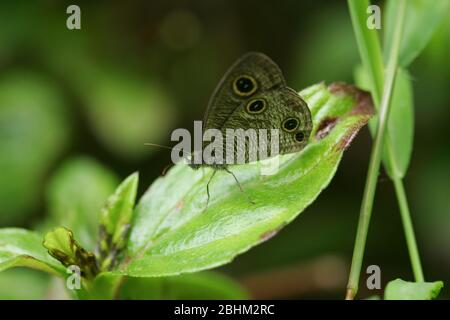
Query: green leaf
x=61, y=245
x=23, y=248
x=115, y=221
x=76, y=194
x=400, y=123
x=172, y=232
x=399, y=289
x=368, y=46
x=423, y=18
x=193, y=286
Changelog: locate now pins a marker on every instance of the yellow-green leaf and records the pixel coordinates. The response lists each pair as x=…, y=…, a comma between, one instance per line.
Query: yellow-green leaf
x=115, y=219
x=23, y=248
x=399, y=289
x=62, y=245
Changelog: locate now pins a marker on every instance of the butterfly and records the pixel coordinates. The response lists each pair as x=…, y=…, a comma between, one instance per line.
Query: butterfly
x=253, y=95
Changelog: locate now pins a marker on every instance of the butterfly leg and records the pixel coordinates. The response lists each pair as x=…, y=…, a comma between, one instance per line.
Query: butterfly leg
x=240, y=187
x=207, y=188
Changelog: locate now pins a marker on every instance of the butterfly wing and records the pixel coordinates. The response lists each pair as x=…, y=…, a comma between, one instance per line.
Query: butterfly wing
x=283, y=109
x=253, y=95
x=259, y=71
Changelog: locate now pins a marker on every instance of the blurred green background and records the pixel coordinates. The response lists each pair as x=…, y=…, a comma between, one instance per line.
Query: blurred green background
x=78, y=106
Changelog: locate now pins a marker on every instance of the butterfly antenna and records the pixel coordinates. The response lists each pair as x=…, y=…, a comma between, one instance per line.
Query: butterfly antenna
x=157, y=145
x=164, y=147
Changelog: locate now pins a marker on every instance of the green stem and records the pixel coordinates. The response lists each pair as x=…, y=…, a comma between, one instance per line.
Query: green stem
x=409, y=231
x=368, y=46
x=375, y=157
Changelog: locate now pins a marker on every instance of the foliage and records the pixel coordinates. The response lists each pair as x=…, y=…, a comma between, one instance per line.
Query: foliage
x=172, y=232
x=399, y=289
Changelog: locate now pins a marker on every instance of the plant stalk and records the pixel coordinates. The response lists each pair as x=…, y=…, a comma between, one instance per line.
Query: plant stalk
x=409, y=230
x=375, y=157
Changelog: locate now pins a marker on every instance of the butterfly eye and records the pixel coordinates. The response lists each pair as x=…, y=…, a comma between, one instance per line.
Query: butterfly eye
x=289, y=124
x=256, y=106
x=299, y=136
x=244, y=86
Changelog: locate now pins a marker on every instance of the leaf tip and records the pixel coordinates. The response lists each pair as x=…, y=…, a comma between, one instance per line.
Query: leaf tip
x=362, y=98
x=364, y=108
x=132, y=178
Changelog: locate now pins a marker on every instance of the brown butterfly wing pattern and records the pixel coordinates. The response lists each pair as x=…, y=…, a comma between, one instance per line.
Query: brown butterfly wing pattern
x=254, y=95
x=284, y=108
x=224, y=101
